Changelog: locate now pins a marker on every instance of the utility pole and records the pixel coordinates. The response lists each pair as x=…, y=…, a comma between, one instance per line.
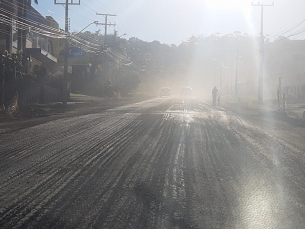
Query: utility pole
x=221, y=74
x=261, y=52
x=2, y=84
x=106, y=23
x=105, y=77
x=65, y=79
x=237, y=34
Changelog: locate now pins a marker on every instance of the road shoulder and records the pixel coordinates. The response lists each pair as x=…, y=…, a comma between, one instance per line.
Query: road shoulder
x=35, y=114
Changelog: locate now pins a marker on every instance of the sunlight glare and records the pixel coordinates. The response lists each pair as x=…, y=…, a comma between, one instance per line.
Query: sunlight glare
x=244, y=6
x=262, y=204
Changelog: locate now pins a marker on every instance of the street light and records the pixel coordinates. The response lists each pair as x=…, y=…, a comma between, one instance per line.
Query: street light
x=95, y=22
x=122, y=35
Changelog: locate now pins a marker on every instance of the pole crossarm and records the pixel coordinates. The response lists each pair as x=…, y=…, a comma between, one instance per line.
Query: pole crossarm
x=106, y=22
x=258, y=4
x=70, y=2
x=106, y=14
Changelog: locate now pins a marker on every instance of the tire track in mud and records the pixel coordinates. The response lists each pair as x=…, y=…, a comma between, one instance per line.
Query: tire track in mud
x=175, y=185
x=286, y=165
x=31, y=214
x=155, y=191
x=20, y=141
x=146, y=165
x=247, y=162
x=133, y=182
x=125, y=167
x=67, y=155
x=109, y=203
x=54, y=131
x=130, y=169
x=84, y=157
x=212, y=193
x=56, y=154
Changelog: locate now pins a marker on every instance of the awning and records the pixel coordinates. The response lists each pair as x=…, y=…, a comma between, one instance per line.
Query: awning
x=41, y=55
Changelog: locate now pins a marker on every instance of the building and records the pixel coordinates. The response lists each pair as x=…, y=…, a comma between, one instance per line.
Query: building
x=24, y=28
x=39, y=39
x=13, y=37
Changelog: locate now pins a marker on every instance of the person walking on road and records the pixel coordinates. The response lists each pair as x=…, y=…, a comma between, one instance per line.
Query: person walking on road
x=215, y=94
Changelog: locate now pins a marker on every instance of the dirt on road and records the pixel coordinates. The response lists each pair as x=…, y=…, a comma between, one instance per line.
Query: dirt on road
x=35, y=114
x=159, y=163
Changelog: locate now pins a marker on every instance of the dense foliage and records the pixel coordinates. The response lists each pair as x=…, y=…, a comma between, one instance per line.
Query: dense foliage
x=203, y=62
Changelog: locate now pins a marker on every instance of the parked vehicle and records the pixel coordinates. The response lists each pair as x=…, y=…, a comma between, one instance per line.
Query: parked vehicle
x=186, y=92
x=165, y=91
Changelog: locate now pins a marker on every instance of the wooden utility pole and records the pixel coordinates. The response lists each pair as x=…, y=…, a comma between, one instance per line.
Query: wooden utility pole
x=106, y=23
x=261, y=52
x=65, y=80
x=237, y=34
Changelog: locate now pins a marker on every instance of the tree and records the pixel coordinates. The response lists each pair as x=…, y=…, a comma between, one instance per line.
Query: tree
x=11, y=67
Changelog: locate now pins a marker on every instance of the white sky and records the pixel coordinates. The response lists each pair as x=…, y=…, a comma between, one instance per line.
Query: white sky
x=174, y=21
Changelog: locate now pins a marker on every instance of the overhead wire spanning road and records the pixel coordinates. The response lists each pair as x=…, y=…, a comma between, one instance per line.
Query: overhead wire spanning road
x=160, y=163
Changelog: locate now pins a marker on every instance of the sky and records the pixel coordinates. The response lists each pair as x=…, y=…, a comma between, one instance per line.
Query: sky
x=175, y=21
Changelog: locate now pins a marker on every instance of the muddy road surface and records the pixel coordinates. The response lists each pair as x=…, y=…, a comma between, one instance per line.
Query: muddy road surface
x=160, y=163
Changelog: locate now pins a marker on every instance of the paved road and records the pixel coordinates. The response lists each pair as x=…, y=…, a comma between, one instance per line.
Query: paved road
x=161, y=163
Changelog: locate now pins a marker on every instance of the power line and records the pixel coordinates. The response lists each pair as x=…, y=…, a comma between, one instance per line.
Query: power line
x=24, y=26
x=291, y=35
x=82, y=41
x=90, y=19
x=120, y=21
x=31, y=21
x=288, y=30
x=88, y=8
x=61, y=20
x=85, y=10
x=28, y=11
x=106, y=23
x=100, y=4
x=21, y=6
x=85, y=37
x=118, y=56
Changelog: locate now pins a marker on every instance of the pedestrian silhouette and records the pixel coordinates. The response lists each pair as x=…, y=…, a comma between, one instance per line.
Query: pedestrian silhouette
x=215, y=93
